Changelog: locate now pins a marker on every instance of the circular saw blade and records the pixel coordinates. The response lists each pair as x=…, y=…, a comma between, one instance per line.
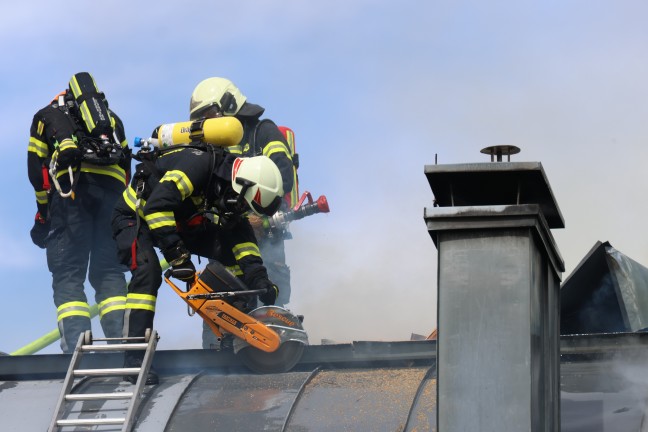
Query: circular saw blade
x=293, y=339
x=281, y=360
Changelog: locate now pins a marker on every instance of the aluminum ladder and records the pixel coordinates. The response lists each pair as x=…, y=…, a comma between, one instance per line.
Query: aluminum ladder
x=85, y=345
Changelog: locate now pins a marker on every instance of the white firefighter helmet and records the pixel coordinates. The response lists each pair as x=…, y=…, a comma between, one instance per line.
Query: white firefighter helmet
x=259, y=181
x=219, y=93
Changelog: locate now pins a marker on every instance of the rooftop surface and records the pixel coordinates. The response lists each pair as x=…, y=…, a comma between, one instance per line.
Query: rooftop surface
x=377, y=386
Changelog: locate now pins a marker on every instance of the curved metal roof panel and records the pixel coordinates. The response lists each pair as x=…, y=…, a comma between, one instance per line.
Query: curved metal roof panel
x=351, y=389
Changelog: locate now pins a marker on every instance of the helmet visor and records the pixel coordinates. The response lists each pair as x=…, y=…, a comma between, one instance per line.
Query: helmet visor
x=227, y=106
x=208, y=112
x=268, y=210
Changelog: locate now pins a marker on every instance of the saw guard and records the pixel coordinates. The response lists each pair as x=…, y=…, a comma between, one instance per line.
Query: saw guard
x=282, y=321
x=220, y=315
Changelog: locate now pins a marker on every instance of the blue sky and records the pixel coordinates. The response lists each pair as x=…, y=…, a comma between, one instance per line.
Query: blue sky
x=374, y=90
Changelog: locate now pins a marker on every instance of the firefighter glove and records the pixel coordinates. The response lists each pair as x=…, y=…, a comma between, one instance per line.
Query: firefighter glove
x=40, y=230
x=272, y=291
x=179, y=258
x=176, y=254
x=256, y=221
x=185, y=271
x=68, y=156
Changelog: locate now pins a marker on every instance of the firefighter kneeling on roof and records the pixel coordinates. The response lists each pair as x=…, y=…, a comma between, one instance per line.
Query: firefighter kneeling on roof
x=172, y=192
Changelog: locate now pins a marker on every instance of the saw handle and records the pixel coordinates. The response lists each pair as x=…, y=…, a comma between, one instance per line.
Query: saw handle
x=169, y=273
x=211, y=295
x=223, y=294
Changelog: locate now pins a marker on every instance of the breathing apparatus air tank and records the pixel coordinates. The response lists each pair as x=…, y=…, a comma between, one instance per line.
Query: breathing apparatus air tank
x=221, y=131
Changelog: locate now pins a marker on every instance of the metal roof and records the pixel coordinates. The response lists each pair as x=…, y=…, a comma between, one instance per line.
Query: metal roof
x=377, y=386
x=607, y=292
x=359, y=386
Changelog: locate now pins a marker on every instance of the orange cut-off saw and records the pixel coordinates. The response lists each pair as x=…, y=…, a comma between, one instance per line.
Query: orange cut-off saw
x=268, y=339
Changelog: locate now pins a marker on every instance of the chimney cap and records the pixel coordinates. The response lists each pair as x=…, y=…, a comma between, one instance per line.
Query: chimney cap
x=499, y=151
x=493, y=184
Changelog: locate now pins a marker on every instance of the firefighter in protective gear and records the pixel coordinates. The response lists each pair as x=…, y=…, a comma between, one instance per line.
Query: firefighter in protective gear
x=75, y=231
x=166, y=207
x=216, y=97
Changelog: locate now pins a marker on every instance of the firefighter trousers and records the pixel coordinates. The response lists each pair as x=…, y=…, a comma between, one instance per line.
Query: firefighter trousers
x=146, y=275
x=273, y=253
x=79, y=243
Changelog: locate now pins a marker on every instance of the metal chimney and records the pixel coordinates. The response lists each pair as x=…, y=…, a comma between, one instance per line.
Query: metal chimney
x=499, y=273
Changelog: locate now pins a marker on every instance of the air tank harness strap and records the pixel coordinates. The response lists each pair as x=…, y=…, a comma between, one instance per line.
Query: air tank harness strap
x=196, y=132
x=138, y=199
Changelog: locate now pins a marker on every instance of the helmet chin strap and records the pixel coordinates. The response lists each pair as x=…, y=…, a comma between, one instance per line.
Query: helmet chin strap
x=245, y=184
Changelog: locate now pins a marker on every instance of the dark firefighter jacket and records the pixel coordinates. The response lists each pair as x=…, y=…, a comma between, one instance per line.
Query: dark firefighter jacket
x=263, y=137
x=52, y=128
x=184, y=181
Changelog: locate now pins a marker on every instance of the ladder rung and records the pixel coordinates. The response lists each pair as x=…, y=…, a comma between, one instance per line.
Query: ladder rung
x=115, y=347
x=105, y=339
x=90, y=422
x=106, y=372
x=98, y=396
